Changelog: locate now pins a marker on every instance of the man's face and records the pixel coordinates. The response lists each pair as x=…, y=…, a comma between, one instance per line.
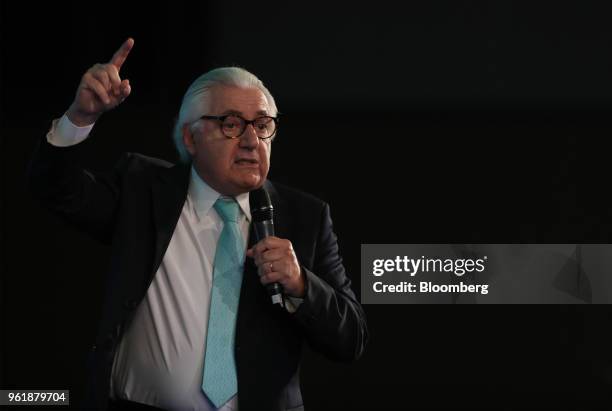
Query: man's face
x=230, y=166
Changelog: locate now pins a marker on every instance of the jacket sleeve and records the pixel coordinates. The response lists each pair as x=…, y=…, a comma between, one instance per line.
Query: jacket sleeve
x=331, y=317
x=84, y=199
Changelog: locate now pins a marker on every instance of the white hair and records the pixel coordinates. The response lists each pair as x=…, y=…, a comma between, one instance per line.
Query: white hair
x=195, y=101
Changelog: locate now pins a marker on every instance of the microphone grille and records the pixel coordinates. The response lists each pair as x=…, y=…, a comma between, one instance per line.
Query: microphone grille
x=261, y=206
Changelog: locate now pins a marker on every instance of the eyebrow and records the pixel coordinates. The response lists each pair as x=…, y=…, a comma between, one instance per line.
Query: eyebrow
x=239, y=113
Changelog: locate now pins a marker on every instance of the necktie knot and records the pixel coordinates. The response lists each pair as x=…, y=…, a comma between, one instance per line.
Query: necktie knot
x=228, y=209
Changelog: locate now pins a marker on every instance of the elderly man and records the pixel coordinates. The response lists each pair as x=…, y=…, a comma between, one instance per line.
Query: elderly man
x=187, y=321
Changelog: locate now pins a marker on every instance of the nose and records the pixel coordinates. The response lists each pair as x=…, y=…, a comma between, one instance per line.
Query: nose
x=249, y=139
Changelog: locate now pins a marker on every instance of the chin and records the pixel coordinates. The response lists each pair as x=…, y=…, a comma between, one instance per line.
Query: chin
x=251, y=182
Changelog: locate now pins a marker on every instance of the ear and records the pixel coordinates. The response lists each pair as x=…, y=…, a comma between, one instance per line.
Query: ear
x=188, y=139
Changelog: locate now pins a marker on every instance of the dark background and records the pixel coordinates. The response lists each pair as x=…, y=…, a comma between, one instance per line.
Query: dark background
x=429, y=122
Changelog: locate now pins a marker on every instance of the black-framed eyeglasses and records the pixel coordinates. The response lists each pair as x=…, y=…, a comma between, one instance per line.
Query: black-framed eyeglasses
x=233, y=125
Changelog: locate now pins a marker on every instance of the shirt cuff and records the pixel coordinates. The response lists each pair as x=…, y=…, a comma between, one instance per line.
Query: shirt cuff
x=292, y=303
x=64, y=133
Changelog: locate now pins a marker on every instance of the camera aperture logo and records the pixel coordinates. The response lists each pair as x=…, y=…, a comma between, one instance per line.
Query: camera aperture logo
x=412, y=267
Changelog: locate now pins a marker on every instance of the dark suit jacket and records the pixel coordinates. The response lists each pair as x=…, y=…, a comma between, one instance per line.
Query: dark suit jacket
x=135, y=208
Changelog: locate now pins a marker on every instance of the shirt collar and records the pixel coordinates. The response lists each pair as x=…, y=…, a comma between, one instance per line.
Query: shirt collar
x=203, y=197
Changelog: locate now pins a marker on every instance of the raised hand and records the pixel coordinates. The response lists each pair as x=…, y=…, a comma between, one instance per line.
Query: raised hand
x=101, y=89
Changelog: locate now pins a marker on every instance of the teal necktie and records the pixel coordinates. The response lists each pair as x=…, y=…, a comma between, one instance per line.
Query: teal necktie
x=219, y=381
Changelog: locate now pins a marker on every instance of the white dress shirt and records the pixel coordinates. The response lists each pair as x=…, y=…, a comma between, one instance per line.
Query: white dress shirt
x=161, y=355
x=160, y=358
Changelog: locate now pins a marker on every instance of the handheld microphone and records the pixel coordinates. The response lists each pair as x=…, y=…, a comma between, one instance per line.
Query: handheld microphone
x=262, y=213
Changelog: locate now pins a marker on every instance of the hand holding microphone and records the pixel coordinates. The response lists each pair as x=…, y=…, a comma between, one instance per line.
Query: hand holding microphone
x=274, y=257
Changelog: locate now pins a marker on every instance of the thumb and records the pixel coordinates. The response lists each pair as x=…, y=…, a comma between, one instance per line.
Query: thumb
x=125, y=88
x=249, y=252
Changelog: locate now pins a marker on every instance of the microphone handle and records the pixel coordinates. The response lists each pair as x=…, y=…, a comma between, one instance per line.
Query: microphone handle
x=275, y=291
x=265, y=229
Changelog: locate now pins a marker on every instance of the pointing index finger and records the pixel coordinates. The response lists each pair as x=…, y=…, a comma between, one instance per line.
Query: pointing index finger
x=121, y=54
